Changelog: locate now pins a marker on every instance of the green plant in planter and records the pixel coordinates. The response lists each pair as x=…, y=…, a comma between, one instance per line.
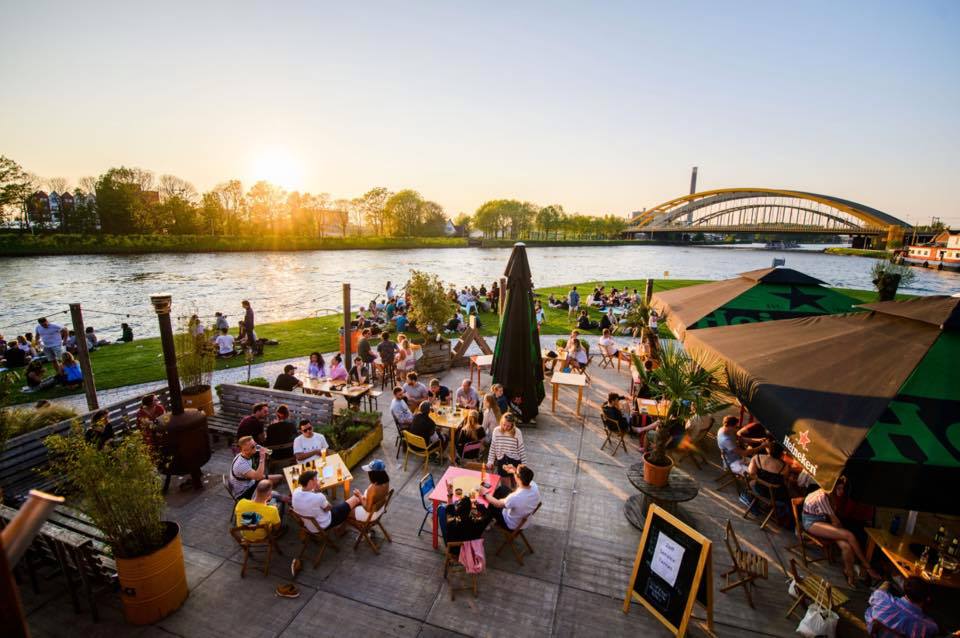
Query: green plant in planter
x=257, y=382
x=430, y=307
x=116, y=486
x=689, y=387
x=348, y=427
x=196, y=356
x=638, y=317
x=888, y=276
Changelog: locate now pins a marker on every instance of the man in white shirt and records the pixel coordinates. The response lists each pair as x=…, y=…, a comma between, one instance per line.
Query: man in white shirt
x=310, y=502
x=509, y=508
x=607, y=345
x=400, y=410
x=49, y=334
x=466, y=397
x=224, y=342
x=309, y=445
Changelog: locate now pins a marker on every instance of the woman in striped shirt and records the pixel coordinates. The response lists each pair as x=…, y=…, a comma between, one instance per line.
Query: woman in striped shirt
x=506, y=449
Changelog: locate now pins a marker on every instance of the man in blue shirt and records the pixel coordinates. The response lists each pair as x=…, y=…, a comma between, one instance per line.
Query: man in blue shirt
x=901, y=616
x=402, y=322
x=573, y=299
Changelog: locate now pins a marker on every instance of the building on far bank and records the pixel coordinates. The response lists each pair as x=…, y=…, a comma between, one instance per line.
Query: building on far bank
x=52, y=211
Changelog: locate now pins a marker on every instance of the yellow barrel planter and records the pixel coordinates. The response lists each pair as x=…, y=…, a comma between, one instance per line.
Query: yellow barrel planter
x=155, y=585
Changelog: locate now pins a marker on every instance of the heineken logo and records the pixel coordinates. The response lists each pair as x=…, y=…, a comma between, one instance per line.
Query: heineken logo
x=803, y=439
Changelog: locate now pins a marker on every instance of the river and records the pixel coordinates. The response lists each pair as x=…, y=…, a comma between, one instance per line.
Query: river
x=288, y=285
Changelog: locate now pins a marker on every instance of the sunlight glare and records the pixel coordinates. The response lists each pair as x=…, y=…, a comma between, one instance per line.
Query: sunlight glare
x=278, y=166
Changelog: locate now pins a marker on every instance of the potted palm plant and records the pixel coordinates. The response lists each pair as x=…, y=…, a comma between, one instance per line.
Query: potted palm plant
x=430, y=309
x=686, y=388
x=117, y=486
x=196, y=356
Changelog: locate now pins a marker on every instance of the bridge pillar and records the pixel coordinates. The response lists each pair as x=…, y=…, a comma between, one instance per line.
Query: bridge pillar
x=895, y=236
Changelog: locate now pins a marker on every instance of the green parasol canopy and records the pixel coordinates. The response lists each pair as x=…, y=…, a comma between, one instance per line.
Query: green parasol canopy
x=755, y=296
x=516, y=359
x=873, y=395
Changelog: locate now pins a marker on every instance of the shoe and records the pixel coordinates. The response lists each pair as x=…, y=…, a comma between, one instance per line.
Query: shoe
x=287, y=591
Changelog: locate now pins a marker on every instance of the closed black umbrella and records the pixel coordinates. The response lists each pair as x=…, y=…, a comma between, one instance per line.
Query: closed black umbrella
x=516, y=360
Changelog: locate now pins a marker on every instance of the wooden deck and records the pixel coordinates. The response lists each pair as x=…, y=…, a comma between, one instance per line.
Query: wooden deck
x=572, y=586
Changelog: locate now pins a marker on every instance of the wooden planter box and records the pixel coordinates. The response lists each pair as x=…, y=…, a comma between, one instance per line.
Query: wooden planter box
x=436, y=357
x=359, y=450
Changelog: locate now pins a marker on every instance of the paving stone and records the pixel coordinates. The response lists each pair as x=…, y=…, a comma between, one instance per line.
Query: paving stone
x=327, y=614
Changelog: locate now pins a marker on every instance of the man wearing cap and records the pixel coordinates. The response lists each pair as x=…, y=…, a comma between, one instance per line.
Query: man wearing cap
x=613, y=414
x=309, y=501
x=287, y=381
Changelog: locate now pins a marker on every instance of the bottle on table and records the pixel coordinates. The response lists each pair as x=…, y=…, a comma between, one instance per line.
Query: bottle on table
x=339, y=473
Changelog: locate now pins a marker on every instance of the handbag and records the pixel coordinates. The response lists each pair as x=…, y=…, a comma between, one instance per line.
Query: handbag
x=820, y=621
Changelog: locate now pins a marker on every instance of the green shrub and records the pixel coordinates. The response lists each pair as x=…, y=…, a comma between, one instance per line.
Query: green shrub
x=257, y=382
x=23, y=420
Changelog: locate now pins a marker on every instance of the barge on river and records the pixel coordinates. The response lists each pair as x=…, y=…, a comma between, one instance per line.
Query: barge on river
x=942, y=253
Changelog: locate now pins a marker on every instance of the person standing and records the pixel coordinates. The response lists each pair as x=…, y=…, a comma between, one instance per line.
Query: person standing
x=248, y=323
x=52, y=339
x=573, y=302
x=387, y=349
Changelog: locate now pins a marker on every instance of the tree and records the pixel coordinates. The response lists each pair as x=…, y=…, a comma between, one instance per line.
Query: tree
x=58, y=185
x=494, y=216
x=373, y=203
x=120, y=201
x=231, y=197
x=265, y=200
x=178, y=216
x=357, y=214
x=548, y=218
x=433, y=221
x=341, y=215
x=429, y=305
x=88, y=184
x=172, y=186
x=403, y=213
x=463, y=222
x=15, y=187
x=213, y=215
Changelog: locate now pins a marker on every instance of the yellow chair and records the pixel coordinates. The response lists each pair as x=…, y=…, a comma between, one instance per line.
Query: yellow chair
x=418, y=447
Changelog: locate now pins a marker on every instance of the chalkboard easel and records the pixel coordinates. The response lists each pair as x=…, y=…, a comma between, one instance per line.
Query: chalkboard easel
x=673, y=570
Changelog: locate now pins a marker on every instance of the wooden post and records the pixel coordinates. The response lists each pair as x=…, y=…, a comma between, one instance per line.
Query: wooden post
x=648, y=292
x=346, y=326
x=503, y=294
x=89, y=388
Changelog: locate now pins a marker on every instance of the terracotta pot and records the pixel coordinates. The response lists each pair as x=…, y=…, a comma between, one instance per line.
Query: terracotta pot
x=154, y=586
x=656, y=475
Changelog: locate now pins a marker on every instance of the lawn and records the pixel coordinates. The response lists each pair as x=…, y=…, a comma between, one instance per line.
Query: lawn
x=141, y=361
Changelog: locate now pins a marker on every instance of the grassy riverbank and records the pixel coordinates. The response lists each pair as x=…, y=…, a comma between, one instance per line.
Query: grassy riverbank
x=858, y=252
x=141, y=361
x=24, y=245
x=508, y=243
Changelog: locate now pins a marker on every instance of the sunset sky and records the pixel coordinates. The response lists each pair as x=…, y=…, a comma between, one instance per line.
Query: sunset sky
x=600, y=107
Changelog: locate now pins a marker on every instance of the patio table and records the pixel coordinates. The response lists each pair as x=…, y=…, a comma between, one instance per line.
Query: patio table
x=326, y=474
x=570, y=379
x=461, y=478
x=478, y=362
x=346, y=390
x=898, y=552
x=451, y=419
x=680, y=487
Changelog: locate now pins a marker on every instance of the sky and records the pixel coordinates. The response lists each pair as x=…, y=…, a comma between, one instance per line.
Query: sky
x=602, y=107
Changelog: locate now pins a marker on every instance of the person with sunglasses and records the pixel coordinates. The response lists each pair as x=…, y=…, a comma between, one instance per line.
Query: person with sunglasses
x=309, y=445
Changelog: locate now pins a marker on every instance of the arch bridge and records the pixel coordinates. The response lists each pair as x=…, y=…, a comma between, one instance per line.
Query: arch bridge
x=768, y=211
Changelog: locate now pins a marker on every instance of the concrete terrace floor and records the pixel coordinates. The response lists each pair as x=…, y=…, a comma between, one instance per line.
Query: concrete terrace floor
x=572, y=586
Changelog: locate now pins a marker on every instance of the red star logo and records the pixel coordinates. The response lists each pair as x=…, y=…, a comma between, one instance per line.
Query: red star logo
x=803, y=439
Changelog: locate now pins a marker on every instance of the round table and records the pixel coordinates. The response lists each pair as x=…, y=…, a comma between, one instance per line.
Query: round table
x=680, y=487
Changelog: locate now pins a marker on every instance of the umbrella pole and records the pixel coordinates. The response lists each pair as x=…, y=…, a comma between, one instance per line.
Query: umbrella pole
x=911, y=521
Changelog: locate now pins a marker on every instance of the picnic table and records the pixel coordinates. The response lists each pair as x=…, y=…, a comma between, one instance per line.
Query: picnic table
x=569, y=379
x=460, y=478
x=450, y=418
x=326, y=474
x=680, y=487
x=478, y=362
x=898, y=552
x=352, y=392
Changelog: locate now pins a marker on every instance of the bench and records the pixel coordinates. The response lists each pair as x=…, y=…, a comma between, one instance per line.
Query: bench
x=77, y=554
x=25, y=456
x=237, y=401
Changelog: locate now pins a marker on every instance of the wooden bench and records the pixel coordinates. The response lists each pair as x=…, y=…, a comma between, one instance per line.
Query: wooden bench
x=25, y=456
x=76, y=554
x=237, y=401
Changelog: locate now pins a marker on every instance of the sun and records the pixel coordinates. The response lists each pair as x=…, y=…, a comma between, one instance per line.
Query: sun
x=278, y=166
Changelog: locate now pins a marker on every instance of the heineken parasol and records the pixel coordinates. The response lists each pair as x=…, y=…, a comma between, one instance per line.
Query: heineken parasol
x=873, y=395
x=516, y=359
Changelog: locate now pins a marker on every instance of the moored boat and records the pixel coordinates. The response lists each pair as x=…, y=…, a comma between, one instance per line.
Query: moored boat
x=942, y=253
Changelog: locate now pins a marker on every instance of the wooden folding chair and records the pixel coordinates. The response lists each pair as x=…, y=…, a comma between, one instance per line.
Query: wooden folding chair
x=269, y=542
x=728, y=476
x=805, y=539
x=511, y=535
x=375, y=520
x=452, y=563
x=612, y=430
x=762, y=492
x=747, y=565
x=811, y=588
x=308, y=537
x=233, y=499
x=606, y=359
x=418, y=447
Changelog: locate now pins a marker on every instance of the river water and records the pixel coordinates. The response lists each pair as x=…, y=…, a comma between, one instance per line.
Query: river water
x=288, y=285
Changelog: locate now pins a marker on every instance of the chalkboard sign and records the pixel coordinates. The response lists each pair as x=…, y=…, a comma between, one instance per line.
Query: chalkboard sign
x=671, y=571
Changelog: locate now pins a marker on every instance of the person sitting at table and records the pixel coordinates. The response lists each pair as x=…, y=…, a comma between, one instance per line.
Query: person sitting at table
x=503, y=403
x=243, y=478
x=752, y=434
x=585, y=323
x=148, y=417
x=414, y=391
x=373, y=498
x=577, y=357
x=359, y=371
x=607, y=345
x=253, y=424
x=890, y=616
x=613, y=413
x=466, y=521
x=317, y=368
x=819, y=519
x=506, y=447
x=337, y=371
x=387, y=349
x=256, y=509
x=491, y=412
x=308, y=446
x=287, y=380
x=470, y=432
x=735, y=455
x=424, y=427
x=309, y=501
x=439, y=393
x=466, y=397
x=770, y=468
x=400, y=410
x=405, y=358
x=225, y=344
x=280, y=434
x=509, y=507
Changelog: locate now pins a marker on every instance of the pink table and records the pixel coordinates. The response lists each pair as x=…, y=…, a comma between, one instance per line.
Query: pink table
x=439, y=493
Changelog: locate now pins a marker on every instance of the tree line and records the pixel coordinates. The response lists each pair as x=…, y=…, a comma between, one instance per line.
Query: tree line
x=132, y=200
